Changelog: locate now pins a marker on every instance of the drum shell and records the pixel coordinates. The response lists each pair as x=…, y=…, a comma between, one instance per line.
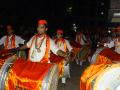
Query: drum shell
x=49, y=82
x=4, y=70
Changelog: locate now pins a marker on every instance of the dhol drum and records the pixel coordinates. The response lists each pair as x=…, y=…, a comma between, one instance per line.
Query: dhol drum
x=109, y=79
x=4, y=56
x=64, y=69
x=84, y=53
x=6, y=59
x=88, y=76
x=26, y=75
x=4, y=70
x=101, y=77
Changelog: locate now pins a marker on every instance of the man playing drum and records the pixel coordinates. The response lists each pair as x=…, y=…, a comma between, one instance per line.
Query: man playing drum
x=65, y=46
x=84, y=51
x=11, y=40
x=41, y=44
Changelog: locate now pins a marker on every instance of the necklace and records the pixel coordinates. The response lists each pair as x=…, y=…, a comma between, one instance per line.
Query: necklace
x=38, y=46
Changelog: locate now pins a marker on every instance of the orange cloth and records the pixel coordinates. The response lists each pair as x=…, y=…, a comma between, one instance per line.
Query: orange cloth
x=112, y=55
x=103, y=60
x=12, y=42
x=107, y=56
x=26, y=74
x=60, y=61
x=89, y=75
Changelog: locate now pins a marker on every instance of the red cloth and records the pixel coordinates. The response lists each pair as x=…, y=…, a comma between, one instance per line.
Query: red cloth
x=109, y=53
x=27, y=74
x=55, y=59
x=42, y=22
x=4, y=51
x=32, y=70
x=58, y=60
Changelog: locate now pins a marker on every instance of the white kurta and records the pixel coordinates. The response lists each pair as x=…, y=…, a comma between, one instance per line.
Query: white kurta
x=18, y=40
x=61, y=47
x=36, y=56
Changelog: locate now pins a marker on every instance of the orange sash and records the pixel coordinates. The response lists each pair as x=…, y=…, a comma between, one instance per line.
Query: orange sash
x=58, y=60
x=46, y=57
x=12, y=42
x=27, y=75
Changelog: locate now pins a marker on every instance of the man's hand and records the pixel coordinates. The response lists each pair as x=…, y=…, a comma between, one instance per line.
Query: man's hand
x=61, y=53
x=14, y=50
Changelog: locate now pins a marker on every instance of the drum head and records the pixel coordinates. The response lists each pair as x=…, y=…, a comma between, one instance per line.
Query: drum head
x=109, y=79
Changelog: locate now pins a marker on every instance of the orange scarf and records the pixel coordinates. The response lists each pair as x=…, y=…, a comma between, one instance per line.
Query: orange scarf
x=46, y=57
x=12, y=42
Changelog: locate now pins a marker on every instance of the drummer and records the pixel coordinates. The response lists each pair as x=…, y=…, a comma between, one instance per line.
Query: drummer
x=82, y=41
x=41, y=44
x=80, y=38
x=62, y=43
x=11, y=40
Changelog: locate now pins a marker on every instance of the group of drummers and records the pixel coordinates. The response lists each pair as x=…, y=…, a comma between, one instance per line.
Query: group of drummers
x=49, y=60
x=104, y=69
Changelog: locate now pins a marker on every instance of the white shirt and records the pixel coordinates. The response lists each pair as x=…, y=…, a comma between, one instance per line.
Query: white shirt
x=18, y=40
x=36, y=56
x=62, y=46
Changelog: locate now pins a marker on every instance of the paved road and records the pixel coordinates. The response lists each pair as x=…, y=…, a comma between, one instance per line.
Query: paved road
x=73, y=83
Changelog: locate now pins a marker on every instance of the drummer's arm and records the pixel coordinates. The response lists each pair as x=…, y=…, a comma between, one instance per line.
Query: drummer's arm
x=61, y=53
x=27, y=45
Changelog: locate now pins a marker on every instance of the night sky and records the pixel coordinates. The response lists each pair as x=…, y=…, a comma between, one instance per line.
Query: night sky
x=27, y=12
